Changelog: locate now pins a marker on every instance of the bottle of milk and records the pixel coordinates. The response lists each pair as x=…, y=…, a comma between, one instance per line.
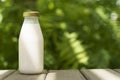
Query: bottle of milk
x=31, y=45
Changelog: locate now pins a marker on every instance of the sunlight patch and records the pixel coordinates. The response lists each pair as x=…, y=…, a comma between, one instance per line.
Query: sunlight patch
x=3, y=0
x=63, y=25
x=51, y=5
x=78, y=48
x=59, y=12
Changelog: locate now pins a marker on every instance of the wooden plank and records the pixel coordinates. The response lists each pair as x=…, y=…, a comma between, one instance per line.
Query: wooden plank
x=19, y=76
x=5, y=73
x=101, y=74
x=64, y=75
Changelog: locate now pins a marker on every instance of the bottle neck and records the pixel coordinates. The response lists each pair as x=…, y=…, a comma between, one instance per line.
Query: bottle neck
x=31, y=20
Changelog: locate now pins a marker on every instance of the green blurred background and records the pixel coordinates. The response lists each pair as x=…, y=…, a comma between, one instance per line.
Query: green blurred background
x=77, y=33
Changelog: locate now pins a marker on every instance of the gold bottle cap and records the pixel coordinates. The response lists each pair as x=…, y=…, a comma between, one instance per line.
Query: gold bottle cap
x=30, y=13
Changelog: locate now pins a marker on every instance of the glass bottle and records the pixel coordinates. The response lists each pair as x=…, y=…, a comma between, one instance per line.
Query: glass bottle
x=31, y=45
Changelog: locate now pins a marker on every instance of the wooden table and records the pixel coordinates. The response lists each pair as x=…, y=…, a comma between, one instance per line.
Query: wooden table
x=84, y=74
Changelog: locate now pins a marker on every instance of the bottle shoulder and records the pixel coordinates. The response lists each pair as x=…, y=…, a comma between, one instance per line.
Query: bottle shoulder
x=31, y=39
x=31, y=31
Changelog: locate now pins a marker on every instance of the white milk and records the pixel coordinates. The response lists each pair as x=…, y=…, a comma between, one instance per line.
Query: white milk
x=31, y=46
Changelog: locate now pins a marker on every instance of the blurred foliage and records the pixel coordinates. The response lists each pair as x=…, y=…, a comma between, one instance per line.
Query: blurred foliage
x=77, y=33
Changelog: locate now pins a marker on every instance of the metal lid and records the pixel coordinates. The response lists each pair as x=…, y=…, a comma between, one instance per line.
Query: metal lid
x=30, y=13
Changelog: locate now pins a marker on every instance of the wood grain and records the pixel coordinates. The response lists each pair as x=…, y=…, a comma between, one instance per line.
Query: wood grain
x=19, y=76
x=64, y=75
x=101, y=74
x=5, y=73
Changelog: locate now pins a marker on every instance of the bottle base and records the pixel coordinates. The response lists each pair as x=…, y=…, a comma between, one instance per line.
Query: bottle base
x=30, y=73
